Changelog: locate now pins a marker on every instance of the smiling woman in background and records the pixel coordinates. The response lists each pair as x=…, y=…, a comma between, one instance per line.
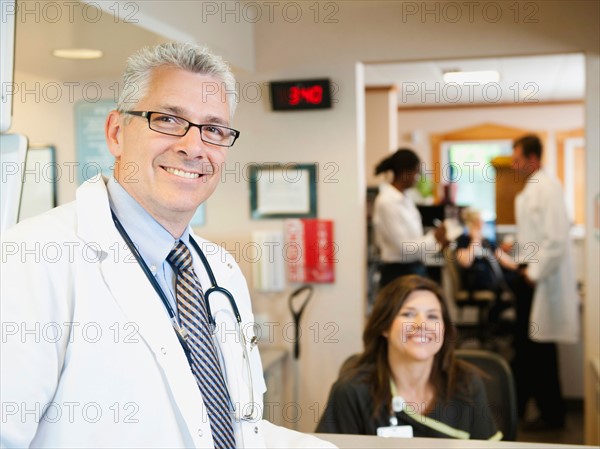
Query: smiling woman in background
x=407, y=374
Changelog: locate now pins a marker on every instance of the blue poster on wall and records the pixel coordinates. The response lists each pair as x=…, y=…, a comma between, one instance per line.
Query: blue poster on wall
x=93, y=156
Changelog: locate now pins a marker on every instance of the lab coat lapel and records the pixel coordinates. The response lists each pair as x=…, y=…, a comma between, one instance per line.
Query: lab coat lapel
x=121, y=273
x=220, y=261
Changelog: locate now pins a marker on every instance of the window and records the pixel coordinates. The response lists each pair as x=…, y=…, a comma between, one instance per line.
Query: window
x=471, y=170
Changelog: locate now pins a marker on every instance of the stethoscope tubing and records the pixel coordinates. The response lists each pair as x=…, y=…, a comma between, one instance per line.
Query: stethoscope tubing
x=214, y=287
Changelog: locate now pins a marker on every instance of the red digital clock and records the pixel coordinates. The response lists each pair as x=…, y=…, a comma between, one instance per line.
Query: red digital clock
x=298, y=95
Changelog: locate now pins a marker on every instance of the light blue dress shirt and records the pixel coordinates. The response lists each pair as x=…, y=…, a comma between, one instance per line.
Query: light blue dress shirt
x=152, y=240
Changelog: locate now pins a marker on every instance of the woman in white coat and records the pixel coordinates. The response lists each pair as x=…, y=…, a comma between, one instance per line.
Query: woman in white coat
x=397, y=222
x=547, y=301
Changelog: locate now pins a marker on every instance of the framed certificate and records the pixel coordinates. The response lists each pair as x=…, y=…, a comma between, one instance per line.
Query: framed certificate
x=283, y=191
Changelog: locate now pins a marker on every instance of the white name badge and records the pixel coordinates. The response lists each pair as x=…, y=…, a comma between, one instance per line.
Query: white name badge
x=395, y=432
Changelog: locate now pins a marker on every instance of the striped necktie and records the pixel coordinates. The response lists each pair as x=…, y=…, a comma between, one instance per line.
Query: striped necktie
x=193, y=318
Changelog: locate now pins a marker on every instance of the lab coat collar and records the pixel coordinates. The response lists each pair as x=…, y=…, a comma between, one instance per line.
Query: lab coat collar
x=94, y=221
x=536, y=177
x=391, y=192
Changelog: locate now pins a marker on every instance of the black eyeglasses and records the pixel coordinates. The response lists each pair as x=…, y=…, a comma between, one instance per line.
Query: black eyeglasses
x=172, y=125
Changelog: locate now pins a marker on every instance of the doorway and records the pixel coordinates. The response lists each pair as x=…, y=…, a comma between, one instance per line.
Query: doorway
x=523, y=98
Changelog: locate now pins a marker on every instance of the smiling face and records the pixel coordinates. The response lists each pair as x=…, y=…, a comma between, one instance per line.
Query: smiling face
x=170, y=176
x=417, y=332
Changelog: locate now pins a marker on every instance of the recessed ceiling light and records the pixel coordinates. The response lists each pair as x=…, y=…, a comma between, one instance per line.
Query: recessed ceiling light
x=481, y=76
x=77, y=53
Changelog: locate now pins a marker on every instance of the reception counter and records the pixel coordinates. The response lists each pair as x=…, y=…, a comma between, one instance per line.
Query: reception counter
x=365, y=441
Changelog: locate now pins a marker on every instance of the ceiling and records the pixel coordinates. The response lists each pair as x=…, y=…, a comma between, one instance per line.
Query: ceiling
x=42, y=28
x=528, y=79
x=39, y=32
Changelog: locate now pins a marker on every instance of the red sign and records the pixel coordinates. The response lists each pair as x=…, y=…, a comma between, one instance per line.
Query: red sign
x=310, y=250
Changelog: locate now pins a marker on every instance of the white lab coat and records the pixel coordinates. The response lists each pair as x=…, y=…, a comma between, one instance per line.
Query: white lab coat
x=89, y=356
x=545, y=245
x=399, y=228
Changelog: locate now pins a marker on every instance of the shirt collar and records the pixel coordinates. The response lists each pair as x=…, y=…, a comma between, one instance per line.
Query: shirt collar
x=539, y=173
x=151, y=239
x=392, y=191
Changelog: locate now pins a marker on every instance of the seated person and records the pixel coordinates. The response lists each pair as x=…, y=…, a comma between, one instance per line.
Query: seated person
x=484, y=266
x=407, y=374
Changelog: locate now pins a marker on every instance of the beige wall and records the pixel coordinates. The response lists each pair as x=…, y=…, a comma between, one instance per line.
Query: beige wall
x=225, y=27
x=381, y=128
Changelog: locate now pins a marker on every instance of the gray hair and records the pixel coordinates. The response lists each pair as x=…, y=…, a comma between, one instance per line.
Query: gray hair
x=185, y=56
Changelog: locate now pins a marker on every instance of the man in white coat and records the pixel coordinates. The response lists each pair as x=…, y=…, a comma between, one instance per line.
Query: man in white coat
x=547, y=301
x=97, y=345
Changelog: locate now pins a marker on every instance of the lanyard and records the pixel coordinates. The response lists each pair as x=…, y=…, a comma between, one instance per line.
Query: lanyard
x=397, y=405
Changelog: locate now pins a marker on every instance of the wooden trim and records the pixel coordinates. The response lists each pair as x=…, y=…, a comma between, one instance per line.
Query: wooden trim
x=485, y=131
x=561, y=137
x=579, y=186
x=489, y=105
x=375, y=89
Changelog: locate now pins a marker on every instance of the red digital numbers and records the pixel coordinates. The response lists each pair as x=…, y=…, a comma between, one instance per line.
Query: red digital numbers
x=310, y=95
x=297, y=95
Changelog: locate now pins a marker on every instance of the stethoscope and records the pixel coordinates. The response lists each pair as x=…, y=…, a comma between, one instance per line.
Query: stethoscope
x=181, y=333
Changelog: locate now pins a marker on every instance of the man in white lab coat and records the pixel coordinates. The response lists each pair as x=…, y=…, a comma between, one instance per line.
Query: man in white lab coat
x=95, y=350
x=547, y=301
